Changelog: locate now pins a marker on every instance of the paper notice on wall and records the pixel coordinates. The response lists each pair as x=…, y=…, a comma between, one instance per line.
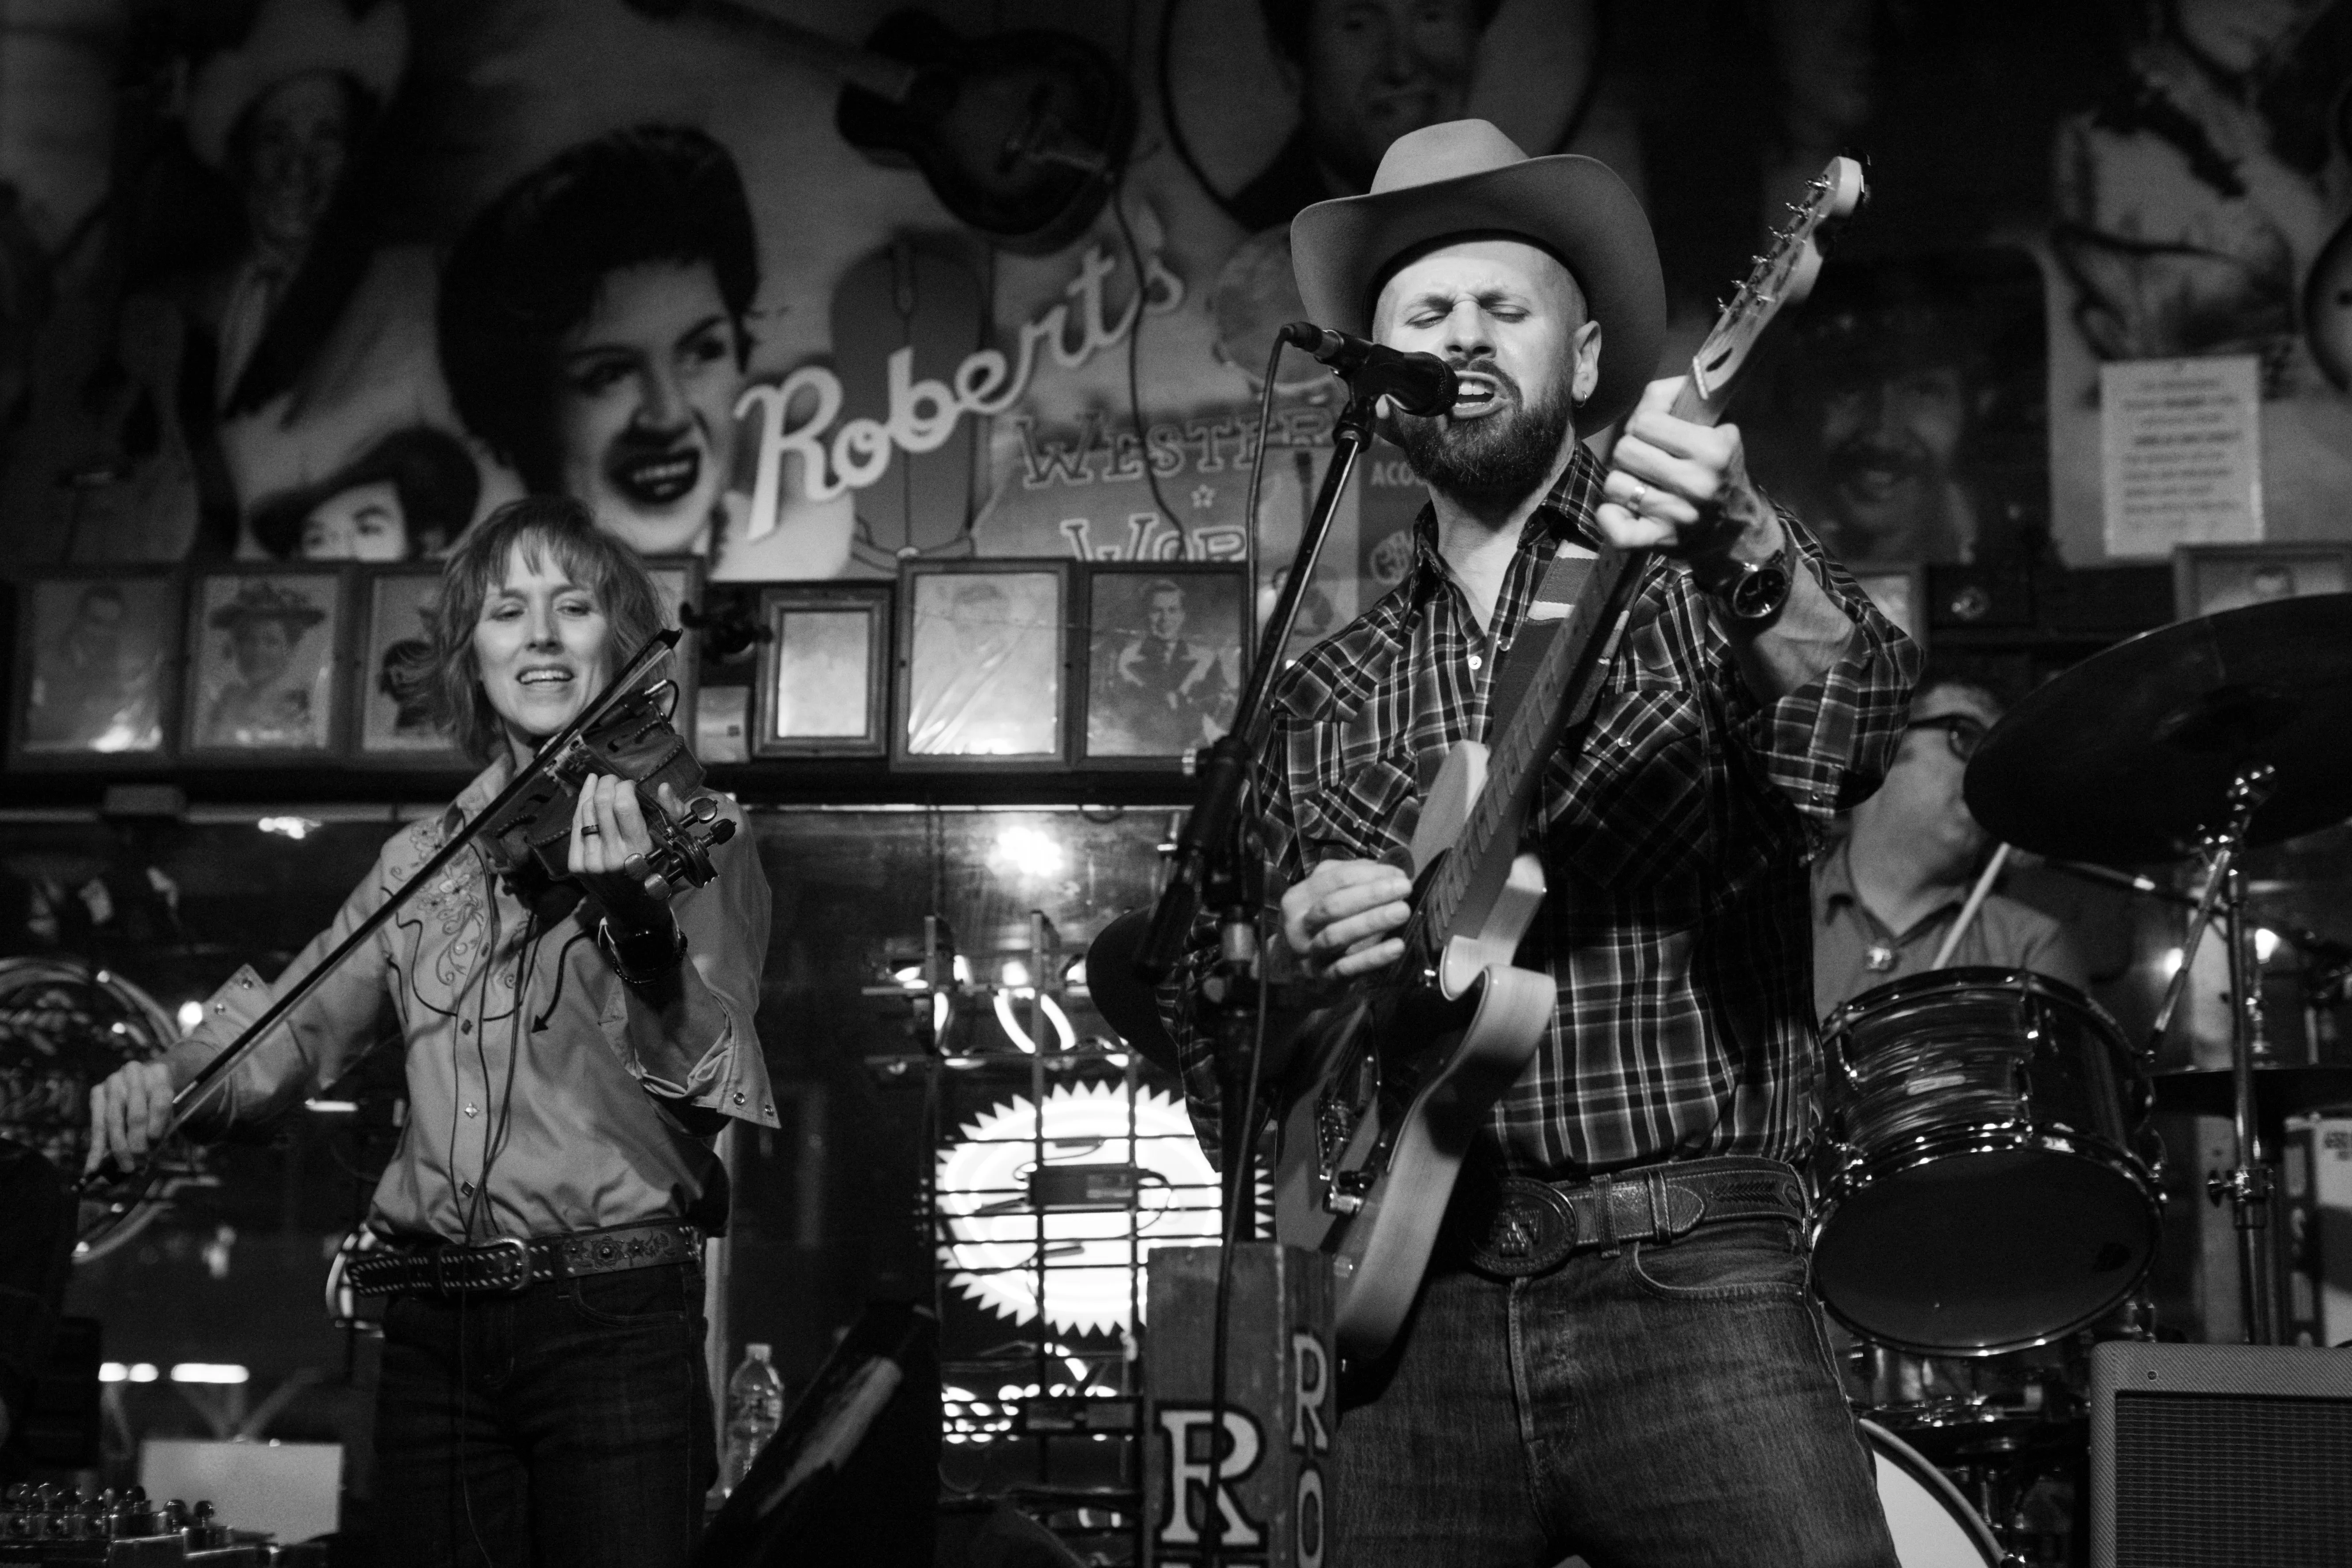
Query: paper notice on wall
x=2182, y=452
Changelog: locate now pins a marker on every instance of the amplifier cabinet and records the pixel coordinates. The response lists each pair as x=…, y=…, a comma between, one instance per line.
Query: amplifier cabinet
x=2221, y=1456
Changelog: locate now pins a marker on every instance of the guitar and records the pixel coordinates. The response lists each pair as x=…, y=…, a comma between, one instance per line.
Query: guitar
x=1019, y=134
x=1393, y=1084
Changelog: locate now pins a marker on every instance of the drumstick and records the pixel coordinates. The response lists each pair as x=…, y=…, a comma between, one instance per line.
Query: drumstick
x=1968, y=911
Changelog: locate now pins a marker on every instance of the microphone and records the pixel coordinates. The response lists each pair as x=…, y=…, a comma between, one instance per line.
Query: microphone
x=1416, y=383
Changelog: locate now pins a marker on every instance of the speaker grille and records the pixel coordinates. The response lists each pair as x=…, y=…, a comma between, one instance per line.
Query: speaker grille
x=2218, y=1480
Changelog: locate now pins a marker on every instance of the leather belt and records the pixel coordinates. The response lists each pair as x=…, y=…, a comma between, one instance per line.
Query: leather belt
x=1532, y=1227
x=511, y=1264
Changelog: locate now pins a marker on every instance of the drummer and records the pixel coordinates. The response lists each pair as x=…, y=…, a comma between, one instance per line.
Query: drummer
x=1885, y=898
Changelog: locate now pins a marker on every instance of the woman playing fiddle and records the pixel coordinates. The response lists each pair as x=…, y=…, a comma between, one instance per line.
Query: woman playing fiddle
x=570, y=1060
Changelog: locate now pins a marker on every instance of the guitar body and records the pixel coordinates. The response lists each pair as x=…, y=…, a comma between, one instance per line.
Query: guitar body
x=1020, y=135
x=1393, y=1086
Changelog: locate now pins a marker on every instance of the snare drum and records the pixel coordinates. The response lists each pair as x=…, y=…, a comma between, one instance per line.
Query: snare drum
x=1982, y=1188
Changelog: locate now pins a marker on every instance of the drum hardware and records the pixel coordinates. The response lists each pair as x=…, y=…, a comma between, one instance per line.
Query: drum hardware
x=1985, y=1186
x=2209, y=737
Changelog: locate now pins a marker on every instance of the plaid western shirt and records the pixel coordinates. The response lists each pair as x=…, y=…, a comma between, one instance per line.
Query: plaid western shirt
x=1674, y=829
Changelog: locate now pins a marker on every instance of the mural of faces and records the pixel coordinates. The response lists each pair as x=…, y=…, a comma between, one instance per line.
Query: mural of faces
x=1891, y=440
x=363, y=524
x=645, y=407
x=297, y=145
x=1374, y=70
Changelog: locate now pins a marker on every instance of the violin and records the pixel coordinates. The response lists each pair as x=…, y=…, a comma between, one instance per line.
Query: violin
x=530, y=839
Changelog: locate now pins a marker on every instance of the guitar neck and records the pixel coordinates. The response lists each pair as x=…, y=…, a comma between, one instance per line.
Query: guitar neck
x=1559, y=695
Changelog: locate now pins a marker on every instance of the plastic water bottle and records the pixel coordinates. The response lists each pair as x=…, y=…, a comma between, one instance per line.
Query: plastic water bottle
x=755, y=1408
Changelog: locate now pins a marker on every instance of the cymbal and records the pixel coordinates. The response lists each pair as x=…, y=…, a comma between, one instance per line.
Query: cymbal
x=2128, y=757
x=2279, y=1091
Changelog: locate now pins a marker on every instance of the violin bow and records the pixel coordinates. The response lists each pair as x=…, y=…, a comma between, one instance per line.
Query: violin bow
x=190, y=1096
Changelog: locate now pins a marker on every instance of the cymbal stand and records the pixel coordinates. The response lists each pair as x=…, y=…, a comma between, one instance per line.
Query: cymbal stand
x=2247, y=1184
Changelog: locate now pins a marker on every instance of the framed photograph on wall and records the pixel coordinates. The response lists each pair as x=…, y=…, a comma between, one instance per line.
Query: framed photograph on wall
x=394, y=732
x=981, y=664
x=824, y=682
x=265, y=651
x=1901, y=594
x=1163, y=662
x=677, y=580
x=96, y=668
x=2209, y=578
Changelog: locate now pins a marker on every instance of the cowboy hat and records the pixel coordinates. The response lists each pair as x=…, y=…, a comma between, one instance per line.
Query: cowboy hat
x=1467, y=177
x=261, y=600
x=290, y=38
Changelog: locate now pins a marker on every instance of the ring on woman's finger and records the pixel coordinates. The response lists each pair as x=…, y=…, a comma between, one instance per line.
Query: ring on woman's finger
x=1641, y=493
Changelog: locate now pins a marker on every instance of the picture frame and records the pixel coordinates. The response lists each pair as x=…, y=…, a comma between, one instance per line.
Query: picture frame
x=391, y=613
x=1901, y=594
x=2207, y=579
x=678, y=579
x=983, y=666
x=824, y=682
x=1161, y=656
x=268, y=672
x=95, y=680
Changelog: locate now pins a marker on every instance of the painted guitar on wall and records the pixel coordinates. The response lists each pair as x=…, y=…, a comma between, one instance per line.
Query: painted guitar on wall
x=1395, y=1081
x=1019, y=134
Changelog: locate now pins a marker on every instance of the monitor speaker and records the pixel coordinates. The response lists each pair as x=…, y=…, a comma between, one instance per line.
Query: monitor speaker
x=852, y=1477
x=2221, y=1456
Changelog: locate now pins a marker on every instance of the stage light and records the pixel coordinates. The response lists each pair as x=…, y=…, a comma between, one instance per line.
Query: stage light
x=295, y=827
x=2171, y=963
x=2266, y=942
x=207, y=1372
x=192, y=1013
x=1027, y=851
x=993, y=1230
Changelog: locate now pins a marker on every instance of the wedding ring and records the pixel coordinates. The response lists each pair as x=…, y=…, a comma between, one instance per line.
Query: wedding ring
x=589, y=830
x=1634, y=502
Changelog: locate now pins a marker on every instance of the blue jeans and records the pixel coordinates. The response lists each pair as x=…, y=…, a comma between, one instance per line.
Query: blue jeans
x=1672, y=1404
x=569, y=1425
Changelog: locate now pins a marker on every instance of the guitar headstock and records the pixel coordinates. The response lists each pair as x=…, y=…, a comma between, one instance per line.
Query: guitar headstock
x=1783, y=276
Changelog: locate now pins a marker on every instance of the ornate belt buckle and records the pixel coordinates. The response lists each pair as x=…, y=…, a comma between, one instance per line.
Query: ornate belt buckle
x=1532, y=1232
x=495, y=1256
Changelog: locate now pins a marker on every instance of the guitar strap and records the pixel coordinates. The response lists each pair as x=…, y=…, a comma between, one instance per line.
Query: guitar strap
x=1563, y=580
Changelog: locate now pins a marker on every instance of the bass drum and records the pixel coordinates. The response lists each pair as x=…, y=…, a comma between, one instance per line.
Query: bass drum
x=1932, y=1523
x=1983, y=1187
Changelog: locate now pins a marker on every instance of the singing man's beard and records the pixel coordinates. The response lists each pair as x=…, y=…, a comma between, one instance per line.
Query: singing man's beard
x=1488, y=464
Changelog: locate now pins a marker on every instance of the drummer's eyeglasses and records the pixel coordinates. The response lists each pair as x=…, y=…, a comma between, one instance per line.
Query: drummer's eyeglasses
x=1961, y=731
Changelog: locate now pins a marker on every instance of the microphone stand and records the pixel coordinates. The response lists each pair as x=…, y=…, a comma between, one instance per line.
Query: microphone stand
x=1218, y=864
x=193, y=1094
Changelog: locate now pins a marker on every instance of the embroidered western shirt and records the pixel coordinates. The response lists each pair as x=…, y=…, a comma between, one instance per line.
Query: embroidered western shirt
x=532, y=1107
x=1674, y=829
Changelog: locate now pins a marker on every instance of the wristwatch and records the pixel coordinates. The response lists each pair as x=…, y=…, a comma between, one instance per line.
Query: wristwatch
x=1752, y=590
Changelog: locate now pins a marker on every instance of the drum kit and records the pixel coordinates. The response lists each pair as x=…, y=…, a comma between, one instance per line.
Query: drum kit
x=1989, y=1192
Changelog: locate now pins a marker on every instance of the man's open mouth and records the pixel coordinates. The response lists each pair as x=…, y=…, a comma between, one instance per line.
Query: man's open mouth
x=1474, y=394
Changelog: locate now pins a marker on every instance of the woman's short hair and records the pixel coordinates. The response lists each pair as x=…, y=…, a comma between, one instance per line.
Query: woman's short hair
x=445, y=678
x=528, y=269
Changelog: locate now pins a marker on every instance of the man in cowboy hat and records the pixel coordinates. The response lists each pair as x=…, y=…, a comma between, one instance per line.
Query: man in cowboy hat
x=1665, y=1398
x=267, y=703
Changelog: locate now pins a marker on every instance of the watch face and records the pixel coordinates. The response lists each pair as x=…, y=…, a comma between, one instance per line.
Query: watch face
x=1761, y=592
